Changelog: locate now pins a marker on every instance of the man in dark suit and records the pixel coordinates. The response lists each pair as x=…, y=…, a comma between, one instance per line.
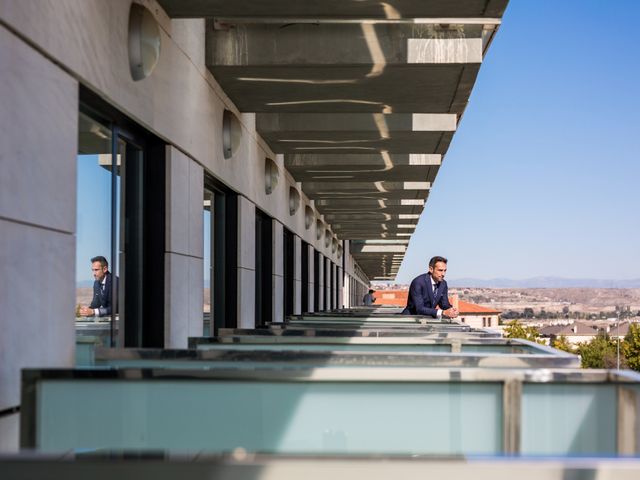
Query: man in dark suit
x=429, y=294
x=101, y=304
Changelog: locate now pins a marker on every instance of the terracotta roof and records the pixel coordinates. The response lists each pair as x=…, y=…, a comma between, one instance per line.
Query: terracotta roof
x=467, y=308
x=391, y=297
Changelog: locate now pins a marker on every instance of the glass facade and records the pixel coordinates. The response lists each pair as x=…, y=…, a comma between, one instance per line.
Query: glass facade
x=208, y=259
x=98, y=221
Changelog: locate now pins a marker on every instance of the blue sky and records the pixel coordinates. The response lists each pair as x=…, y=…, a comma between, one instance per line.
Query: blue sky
x=541, y=178
x=93, y=216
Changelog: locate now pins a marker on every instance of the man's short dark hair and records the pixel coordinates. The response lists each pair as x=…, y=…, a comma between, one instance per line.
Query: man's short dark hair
x=101, y=259
x=434, y=260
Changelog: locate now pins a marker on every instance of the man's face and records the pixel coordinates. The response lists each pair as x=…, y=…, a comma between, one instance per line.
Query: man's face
x=438, y=271
x=98, y=271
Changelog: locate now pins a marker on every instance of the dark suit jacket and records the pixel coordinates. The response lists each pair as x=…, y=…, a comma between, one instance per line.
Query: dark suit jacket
x=421, y=300
x=102, y=298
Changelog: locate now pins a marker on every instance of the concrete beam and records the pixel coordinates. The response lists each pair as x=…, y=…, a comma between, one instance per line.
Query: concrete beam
x=374, y=232
x=379, y=214
x=357, y=133
x=390, y=9
x=359, y=235
x=379, y=242
x=354, y=203
x=365, y=226
x=383, y=124
x=336, y=213
x=378, y=190
x=377, y=161
x=367, y=216
x=383, y=45
x=388, y=68
x=374, y=167
x=352, y=221
x=395, y=174
x=377, y=249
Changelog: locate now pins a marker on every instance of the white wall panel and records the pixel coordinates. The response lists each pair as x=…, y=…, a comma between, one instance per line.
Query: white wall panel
x=37, y=300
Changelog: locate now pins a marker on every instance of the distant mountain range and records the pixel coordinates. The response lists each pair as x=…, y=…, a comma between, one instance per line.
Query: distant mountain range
x=535, y=282
x=543, y=282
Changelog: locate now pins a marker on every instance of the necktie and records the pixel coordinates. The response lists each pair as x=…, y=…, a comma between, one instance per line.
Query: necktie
x=435, y=289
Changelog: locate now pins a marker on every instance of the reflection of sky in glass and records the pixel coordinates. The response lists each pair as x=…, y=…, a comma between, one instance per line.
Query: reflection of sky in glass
x=93, y=215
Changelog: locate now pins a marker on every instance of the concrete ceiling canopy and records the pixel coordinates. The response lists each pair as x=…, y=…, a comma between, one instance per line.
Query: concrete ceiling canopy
x=362, y=99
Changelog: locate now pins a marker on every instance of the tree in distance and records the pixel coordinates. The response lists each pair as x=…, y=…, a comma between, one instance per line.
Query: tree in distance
x=561, y=343
x=601, y=352
x=515, y=329
x=631, y=347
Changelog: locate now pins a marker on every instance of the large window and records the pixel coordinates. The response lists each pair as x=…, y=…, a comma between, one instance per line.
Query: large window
x=121, y=226
x=264, y=268
x=304, y=274
x=289, y=285
x=327, y=280
x=317, y=291
x=98, y=221
x=208, y=204
x=334, y=285
x=220, y=212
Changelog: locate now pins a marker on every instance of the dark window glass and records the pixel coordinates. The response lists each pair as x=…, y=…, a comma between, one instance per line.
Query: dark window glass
x=220, y=257
x=316, y=281
x=264, y=268
x=288, y=246
x=304, y=275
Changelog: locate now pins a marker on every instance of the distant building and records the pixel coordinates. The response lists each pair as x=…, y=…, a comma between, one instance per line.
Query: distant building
x=396, y=298
x=478, y=316
x=584, y=332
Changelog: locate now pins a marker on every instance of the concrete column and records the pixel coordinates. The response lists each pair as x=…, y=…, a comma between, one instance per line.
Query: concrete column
x=184, y=253
x=246, y=263
x=39, y=125
x=277, y=299
x=297, y=275
x=311, y=282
